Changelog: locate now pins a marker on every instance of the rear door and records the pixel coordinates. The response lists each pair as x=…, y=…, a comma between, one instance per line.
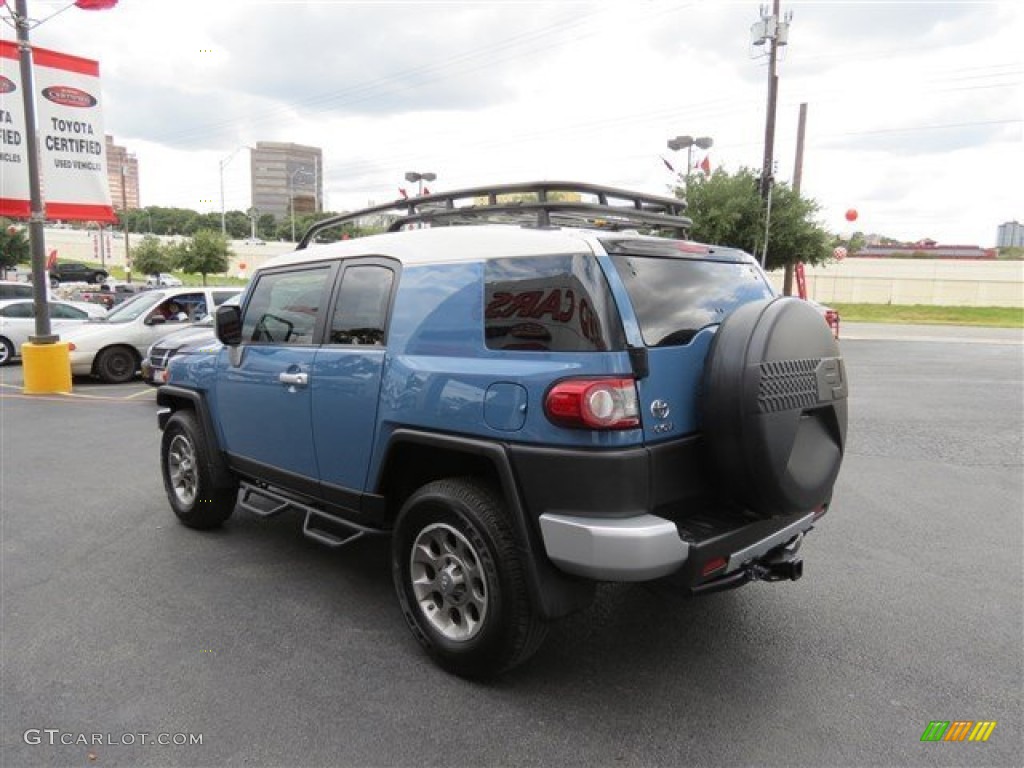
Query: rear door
x=679, y=303
x=346, y=377
x=264, y=393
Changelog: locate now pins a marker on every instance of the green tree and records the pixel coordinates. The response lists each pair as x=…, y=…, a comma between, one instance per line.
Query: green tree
x=237, y=224
x=150, y=257
x=205, y=253
x=266, y=226
x=727, y=209
x=14, y=248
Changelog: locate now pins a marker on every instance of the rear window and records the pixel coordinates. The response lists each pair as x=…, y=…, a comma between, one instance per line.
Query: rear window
x=15, y=291
x=675, y=298
x=550, y=304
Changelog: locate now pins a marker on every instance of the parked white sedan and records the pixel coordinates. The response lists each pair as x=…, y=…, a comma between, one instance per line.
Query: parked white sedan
x=112, y=348
x=17, y=322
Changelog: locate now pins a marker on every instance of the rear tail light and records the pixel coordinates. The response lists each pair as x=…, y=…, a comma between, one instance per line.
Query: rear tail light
x=71, y=346
x=594, y=404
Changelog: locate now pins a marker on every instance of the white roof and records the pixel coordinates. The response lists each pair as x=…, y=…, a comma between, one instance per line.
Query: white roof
x=441, y=245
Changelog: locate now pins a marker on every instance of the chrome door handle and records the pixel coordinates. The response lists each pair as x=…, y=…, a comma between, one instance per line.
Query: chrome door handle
x=294, y=379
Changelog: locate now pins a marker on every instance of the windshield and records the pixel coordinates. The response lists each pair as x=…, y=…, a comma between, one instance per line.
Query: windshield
x=675, y=298
x=134, y=307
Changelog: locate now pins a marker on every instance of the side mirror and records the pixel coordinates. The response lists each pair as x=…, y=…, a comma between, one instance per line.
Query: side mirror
x=156, y=320
x=227, y=322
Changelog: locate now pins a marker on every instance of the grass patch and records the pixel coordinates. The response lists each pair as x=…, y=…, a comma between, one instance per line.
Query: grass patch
x=118, y=273
x=995, y=317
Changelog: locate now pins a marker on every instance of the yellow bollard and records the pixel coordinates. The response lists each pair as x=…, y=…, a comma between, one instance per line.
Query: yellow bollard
x=47, y=368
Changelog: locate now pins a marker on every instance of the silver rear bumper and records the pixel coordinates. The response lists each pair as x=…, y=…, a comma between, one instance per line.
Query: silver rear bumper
x=631, y=549
x=644, y=547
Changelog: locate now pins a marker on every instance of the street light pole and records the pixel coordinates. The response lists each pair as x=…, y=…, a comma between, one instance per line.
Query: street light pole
x=688, y=143
x=223, y=212
x=124, y=213
x=413, y=176
x=291, y=195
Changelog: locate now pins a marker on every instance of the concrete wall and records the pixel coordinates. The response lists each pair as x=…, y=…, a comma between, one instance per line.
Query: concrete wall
x=939, y=282
x=943, y=282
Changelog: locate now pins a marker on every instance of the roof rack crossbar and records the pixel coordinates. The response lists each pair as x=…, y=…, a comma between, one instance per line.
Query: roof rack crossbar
x=636, y=208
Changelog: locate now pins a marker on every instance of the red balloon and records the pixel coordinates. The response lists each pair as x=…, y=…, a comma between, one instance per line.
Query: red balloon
x=851, y=215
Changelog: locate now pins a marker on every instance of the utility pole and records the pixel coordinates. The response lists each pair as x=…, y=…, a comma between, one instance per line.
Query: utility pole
x=772, y=31
x=798, y=173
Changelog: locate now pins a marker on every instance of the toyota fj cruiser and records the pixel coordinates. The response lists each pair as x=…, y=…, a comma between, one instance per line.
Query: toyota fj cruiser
x=530, y=393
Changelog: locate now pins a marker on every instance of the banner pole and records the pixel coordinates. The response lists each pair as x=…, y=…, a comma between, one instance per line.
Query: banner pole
x=37, y=215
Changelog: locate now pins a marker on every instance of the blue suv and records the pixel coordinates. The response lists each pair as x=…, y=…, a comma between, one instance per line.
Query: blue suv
x=531, y=389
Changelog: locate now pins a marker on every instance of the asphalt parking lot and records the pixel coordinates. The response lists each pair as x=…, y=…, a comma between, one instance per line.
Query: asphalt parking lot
x=118, y=622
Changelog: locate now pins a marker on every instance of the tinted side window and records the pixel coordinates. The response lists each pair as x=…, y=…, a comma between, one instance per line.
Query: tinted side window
x=219, y=297
x=8, y=291
x=65, y=312
x=675, y=298
x=361, y=314
x=21, y=309
x=284, y=307
x=550, y=303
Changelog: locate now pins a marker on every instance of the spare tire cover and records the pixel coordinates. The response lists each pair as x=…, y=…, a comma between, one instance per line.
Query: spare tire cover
x=774, y=407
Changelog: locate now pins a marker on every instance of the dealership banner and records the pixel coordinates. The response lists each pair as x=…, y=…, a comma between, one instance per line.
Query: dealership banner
x=72, y=145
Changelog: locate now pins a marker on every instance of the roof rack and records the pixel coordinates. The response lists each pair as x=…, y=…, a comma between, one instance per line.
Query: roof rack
x=537, y=203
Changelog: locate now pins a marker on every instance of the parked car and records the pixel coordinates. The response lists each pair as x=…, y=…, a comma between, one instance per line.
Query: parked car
x=112, y=348
x=163, y=280
x=13, y=289
x=530, y=400
x=17, y=322
x=254, y=241
x=74, y=272
x=109, y=295
x=158, y=356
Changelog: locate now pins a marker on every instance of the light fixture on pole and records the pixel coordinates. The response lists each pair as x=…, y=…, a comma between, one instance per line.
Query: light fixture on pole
x=223, y=164
x=415, y=177
x=688, y=143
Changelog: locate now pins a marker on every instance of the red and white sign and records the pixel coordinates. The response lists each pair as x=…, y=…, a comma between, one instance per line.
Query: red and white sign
x=72, y=145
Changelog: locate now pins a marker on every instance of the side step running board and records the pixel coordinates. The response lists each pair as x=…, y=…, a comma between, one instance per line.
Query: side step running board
x=328, y=529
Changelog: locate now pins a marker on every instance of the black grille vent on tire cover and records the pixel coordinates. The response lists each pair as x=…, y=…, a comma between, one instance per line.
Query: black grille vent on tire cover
x=788, y=385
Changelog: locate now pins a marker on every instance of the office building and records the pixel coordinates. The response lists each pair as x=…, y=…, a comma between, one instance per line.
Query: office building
x=286, y=178
x=1010, y=234
x=122, y=176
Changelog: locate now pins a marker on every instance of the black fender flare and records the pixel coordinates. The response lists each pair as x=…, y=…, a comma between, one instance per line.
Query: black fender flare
x=554, y=593
x=172, y=399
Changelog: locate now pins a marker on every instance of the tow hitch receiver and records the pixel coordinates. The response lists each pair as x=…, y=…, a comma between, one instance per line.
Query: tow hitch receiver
x=779, y=564
x=785, y=570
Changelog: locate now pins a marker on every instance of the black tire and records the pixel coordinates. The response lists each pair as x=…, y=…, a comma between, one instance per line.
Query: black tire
x=7, y=351
x=774, y=407
x=116, y=365
x=185, y=468
x=459, y=577
x=97, y=277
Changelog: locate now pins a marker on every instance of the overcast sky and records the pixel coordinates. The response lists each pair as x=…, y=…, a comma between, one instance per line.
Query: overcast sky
x=915, y=109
